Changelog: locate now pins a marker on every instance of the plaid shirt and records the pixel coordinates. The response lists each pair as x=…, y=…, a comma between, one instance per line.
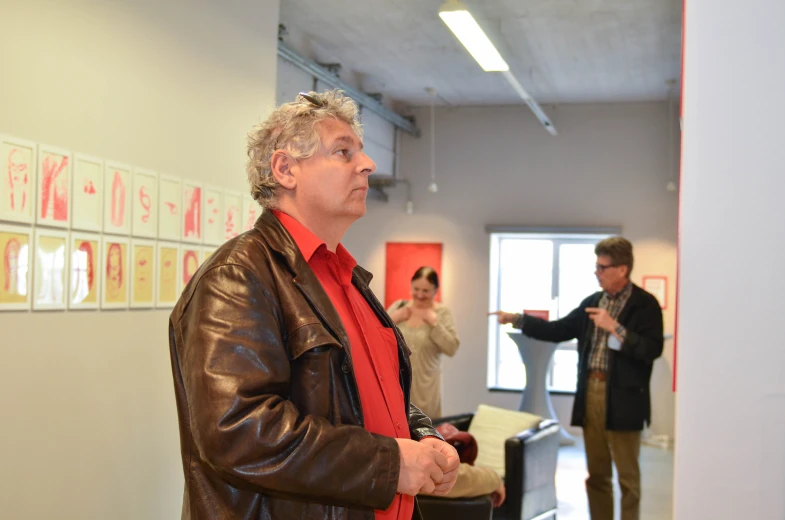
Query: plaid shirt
x=598, y=358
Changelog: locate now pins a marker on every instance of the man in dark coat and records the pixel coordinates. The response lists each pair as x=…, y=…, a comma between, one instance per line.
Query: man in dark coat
x=619, y=333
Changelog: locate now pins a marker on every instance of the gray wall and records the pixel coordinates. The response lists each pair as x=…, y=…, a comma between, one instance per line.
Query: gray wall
x=608, y=167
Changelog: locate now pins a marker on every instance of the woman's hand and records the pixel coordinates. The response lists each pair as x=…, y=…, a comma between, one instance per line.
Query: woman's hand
x=429, y=316
x=401, y=315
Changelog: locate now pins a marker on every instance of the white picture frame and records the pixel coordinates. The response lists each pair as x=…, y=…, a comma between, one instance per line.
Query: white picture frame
x=233, y=210
x=167, y=274
x=190, y=259
x=18, y=174
x=251, y=212
x=170, y=207
x=142, y=260
x=213, y=215
x=144, y=204
x=84, y=271
x=191, y=229
x=207, y=252
x=117, y=198
x=87, y=193
x=16, y=262
x=50, y=270
x=115, y=272
x=53, y=187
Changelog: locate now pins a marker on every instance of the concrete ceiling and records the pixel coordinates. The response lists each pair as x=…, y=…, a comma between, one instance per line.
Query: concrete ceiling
x=561, y=51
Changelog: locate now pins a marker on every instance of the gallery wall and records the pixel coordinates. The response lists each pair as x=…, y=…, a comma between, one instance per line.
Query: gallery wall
x=608, y=167
x=165, y=87
x=730, y=455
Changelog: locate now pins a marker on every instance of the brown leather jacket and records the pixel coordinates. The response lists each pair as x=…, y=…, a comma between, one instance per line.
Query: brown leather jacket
x=269, y=412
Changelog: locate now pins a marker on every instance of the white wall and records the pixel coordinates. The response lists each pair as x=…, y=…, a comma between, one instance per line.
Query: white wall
x=89, y=424
x=730, y=450
x=608, y=167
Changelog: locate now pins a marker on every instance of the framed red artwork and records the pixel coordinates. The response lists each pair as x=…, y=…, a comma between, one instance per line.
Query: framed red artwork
x=402, y=259
x=658, y=286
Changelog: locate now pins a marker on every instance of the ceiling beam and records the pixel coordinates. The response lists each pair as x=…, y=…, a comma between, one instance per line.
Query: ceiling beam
x=361, y=98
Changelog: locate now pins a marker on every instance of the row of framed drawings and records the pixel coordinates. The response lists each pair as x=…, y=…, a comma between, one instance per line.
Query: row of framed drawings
x=49, y=186
x=46, y=269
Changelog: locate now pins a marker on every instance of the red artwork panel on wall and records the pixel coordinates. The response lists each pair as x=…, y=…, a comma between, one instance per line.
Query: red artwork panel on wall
x=402, y=260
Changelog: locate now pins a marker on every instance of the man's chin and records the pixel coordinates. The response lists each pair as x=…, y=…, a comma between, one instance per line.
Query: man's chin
x=355, y=208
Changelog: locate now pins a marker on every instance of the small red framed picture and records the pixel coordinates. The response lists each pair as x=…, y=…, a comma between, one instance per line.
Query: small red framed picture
x=657, y=286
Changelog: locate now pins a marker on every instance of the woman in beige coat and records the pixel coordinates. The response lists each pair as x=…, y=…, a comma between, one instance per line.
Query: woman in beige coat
x=429, y=330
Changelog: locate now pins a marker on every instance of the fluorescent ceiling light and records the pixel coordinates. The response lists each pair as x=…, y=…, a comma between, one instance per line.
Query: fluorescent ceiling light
x=465, y=27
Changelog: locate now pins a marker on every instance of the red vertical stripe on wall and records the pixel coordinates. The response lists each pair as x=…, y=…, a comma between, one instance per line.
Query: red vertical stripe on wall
x=678, y=230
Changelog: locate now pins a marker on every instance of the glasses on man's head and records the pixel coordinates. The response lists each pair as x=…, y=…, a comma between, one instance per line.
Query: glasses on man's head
x=600, y=268
x=311, y=99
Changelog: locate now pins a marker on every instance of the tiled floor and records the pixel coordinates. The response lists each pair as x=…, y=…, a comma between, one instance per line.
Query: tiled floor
x=656, y=481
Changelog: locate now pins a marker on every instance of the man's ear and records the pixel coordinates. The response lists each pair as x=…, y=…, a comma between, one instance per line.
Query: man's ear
x=281, y=164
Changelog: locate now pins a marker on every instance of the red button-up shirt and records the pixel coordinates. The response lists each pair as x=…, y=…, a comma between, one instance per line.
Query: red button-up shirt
x=374, y=348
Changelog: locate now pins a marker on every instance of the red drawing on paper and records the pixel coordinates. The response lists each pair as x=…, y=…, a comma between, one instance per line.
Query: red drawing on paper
x=18, y=180
x=250, y=218
x=114, y=270
x=190, y=265
x=11, y=267
x=54, y=188
x=117, y=213
x=141, y=263
x=212, y=211
x=144, y=200
x=172, y=207
x=230, y=225
x=86, y=248
x=89, y=187
x=192, y=225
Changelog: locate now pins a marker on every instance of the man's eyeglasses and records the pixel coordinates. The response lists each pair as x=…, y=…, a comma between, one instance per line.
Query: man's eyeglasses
x=601, y=268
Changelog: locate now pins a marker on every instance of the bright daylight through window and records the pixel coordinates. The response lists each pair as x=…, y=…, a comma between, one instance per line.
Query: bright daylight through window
x=538, y=271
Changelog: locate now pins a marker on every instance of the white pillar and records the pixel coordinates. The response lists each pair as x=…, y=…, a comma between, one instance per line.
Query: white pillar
x=730, y=402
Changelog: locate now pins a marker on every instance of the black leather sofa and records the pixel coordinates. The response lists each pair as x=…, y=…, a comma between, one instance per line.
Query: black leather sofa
x=530, y=472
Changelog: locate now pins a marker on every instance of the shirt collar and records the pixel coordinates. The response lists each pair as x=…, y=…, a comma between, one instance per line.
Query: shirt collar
x=308, y=243
x=623, y=293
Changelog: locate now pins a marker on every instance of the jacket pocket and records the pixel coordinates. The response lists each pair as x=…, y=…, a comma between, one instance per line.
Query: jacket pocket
x=310, y=337
x=312, y=348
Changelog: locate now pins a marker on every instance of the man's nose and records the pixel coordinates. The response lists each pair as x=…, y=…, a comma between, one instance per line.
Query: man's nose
x=367, y=166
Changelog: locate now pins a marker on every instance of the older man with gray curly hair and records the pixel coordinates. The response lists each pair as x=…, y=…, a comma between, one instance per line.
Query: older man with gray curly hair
x=292, y=383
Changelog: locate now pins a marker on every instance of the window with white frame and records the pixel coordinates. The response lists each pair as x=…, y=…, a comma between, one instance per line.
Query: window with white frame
x=538, y=270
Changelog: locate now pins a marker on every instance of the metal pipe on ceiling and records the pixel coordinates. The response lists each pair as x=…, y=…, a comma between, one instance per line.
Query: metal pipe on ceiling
x=361, y=98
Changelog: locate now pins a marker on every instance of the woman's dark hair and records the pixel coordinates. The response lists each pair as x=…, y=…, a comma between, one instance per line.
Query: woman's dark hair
x=428, y=273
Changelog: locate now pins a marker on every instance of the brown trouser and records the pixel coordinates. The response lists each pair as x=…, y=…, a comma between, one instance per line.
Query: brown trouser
x=604, y=447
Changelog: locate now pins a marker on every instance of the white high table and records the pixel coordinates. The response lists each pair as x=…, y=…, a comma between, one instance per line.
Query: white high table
x=536, y=399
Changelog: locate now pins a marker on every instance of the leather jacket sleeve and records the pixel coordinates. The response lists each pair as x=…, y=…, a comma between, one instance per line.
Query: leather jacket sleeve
x=236, y=373
x=420, y=425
